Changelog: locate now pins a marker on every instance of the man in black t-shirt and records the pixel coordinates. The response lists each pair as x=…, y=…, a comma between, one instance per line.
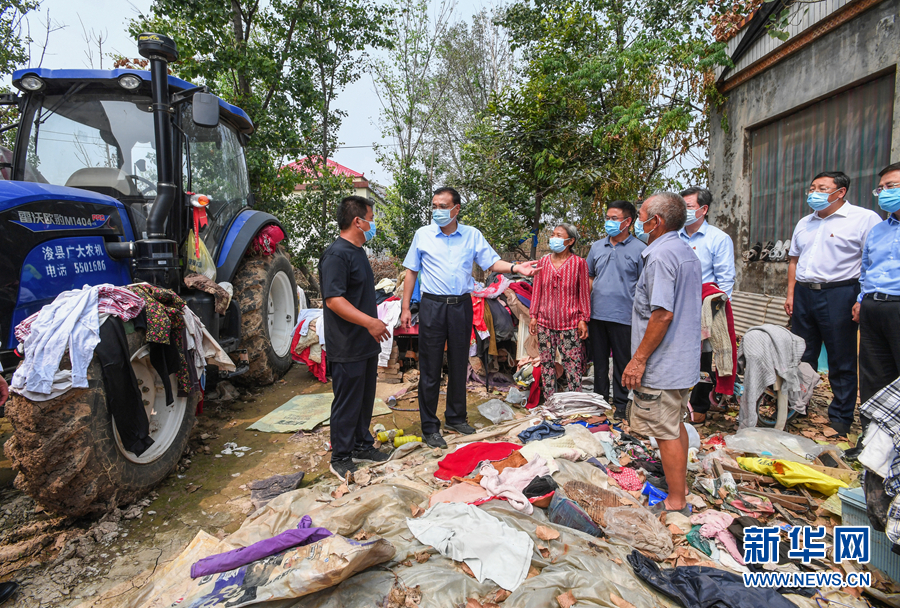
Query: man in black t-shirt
x=352, y=334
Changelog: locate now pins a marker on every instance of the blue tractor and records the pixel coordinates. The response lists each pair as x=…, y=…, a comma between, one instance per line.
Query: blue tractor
x=97, y=190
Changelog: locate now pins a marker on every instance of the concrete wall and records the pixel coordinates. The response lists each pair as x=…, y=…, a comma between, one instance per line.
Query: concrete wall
x=864, y=46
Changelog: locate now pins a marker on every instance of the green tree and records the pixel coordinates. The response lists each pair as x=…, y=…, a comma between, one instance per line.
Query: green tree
x=283, y=62
x=611, y=103
x=15, y=49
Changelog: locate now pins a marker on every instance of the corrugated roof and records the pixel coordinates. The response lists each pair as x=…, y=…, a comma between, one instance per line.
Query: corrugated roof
x=302, y=166
x=752, y=309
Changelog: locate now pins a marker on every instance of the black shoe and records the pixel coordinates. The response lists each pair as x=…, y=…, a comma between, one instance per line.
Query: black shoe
x=462, y=428
x=435, y=441
x=620, y=414
x=369, y=454
x=840, y=427
x=343, y=469
x=852, y=455
x=7, y=590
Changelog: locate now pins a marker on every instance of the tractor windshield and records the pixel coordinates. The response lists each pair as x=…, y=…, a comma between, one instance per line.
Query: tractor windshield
x=106, y=143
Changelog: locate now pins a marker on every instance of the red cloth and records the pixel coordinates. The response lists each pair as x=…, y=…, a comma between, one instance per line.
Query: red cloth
x=317, y=369
x=522, y=288
x=464, y=460
x=478, y=314
x=534, y=396
x=627, y=479
x=725, y=384
x=266, y=242
x=562, y=296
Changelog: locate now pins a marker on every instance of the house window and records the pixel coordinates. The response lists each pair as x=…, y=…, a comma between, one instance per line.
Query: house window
x=849, y=132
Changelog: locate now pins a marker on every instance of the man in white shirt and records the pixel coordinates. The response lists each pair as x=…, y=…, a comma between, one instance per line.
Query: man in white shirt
x=716, y=252
x=823, y=283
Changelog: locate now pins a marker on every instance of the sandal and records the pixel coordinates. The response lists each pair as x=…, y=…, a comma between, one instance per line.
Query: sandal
x=660, y=508
x=776, y=252
x=753, y=254
x=766, y=251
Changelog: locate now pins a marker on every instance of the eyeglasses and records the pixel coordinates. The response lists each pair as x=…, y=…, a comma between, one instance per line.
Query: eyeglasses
x=821, y=189
x=890, y=186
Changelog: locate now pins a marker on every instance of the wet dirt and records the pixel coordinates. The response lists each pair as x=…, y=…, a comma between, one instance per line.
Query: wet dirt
x=63, y=562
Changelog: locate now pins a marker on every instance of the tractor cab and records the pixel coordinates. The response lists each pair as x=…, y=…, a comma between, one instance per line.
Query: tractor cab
x=94, y=130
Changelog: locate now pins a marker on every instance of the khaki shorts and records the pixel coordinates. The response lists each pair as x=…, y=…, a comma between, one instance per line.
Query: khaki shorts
x=658, y=413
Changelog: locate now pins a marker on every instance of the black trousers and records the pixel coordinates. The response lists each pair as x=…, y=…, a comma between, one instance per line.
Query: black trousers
x=451, y=324
x=351, y=410
x=826, y=316
x=607, y=336
x=700, y=395
x=879, y=346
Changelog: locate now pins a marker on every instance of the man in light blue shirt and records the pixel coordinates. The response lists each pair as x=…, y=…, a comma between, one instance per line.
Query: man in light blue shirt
x=714, y=247
x=716, y=252
x=443, y=252
x=665, y=340
x=877, y=309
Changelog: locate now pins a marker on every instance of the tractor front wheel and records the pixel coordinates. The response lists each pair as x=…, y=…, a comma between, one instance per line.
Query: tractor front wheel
x=266, y=291
x=68, y=454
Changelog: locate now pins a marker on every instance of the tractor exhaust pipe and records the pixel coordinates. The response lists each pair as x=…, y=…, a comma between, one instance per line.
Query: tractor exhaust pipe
x=156, y=255
x=160, y=51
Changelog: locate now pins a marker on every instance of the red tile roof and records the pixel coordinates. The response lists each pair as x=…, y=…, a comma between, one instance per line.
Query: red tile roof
x=302, y=166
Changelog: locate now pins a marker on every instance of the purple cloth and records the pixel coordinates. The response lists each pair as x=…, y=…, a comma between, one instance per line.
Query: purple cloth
x=303, y=534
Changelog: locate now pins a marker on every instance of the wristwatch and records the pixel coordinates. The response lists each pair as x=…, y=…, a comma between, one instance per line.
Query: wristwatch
x=512, y=269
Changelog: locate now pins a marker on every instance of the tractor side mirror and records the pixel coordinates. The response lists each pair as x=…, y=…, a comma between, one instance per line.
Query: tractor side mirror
x=205, y=110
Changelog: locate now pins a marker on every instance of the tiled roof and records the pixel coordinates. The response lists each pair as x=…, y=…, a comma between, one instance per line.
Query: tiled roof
x=302, y=166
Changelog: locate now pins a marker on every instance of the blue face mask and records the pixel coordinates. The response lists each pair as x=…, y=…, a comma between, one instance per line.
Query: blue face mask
x=557, y=245
x=613, y=227
x=441, y=217
x=889, y=200
x=818, y=200
x=639, y=231
x=370, y=233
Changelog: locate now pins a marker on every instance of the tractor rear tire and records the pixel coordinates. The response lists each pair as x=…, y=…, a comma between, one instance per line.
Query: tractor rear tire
x=67, y=453
x=266, y=291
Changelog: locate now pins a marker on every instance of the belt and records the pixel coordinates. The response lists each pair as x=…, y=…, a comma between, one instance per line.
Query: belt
x=819, y=286
x=881, y=297
x=448, y=299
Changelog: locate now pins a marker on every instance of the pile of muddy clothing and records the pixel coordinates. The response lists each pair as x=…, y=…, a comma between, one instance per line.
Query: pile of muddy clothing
x=308, y=342
x=96, y=322
x=499, y=520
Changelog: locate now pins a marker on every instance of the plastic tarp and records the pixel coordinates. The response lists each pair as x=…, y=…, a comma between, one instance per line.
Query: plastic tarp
x=592, y=568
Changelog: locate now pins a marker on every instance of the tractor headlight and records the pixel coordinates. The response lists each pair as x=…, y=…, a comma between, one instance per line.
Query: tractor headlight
x=31, y=83
x=130, y=82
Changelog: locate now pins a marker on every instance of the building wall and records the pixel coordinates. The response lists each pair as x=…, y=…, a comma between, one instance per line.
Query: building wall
x=865, y=46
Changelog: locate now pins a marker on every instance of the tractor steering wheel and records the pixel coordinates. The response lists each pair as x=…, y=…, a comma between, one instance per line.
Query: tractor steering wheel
x=151, y=186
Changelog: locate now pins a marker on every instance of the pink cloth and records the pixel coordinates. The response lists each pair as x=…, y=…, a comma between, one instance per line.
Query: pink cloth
x=493, y=290
x=714, y=524
x=627, y=479
x=460, y=492
x=511, y=481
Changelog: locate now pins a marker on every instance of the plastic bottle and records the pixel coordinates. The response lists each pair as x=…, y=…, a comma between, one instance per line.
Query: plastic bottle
x=386, y=436
x=398, y=441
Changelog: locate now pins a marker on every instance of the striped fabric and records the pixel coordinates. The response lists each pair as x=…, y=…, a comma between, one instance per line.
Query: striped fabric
x=561, y=296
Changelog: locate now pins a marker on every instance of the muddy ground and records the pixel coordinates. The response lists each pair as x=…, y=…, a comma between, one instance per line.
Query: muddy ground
x=63, y=562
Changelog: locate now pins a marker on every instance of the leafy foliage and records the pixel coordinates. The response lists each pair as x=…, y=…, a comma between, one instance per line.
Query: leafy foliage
x=283, y=62
x=610, y=105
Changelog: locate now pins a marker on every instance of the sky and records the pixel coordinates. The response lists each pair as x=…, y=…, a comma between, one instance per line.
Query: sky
x=67, y=48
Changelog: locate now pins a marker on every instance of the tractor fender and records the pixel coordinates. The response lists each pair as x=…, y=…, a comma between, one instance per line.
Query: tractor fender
x=245, y=226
